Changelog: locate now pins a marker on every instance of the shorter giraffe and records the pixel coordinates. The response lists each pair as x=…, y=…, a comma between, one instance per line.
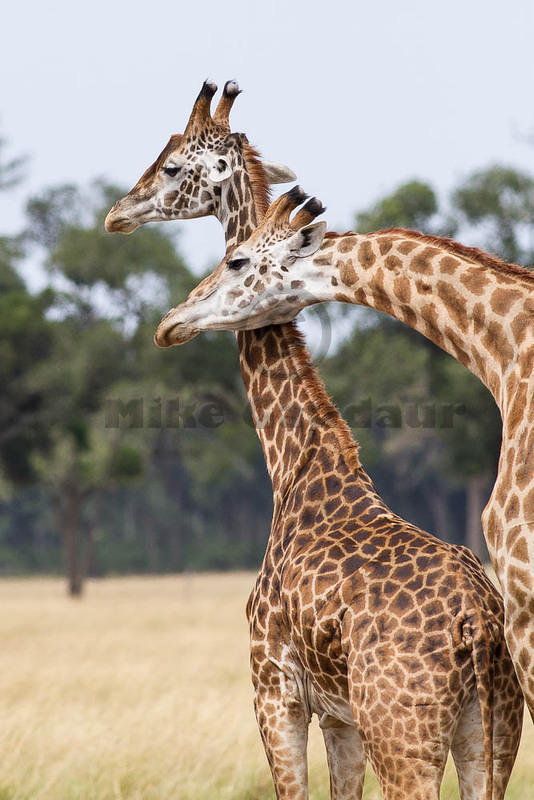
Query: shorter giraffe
x=392, y=637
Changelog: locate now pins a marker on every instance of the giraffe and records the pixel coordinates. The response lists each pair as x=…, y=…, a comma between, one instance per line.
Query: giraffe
x=388, y=634
x=477, y=308
x=203, y=172
x=344, y=746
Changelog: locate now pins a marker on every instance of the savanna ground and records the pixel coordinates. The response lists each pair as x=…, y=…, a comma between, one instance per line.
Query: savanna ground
x=141, y=691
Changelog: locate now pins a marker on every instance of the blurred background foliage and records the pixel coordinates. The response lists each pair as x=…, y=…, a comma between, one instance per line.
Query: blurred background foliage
x=117, y=457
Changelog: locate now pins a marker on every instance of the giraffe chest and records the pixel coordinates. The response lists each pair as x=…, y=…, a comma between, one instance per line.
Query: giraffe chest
x=308, y=648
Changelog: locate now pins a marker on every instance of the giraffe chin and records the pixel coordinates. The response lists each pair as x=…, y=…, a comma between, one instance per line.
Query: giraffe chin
x=175, y=335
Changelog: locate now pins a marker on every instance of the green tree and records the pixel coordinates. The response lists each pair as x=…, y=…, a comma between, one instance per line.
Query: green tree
x=498, y=202
x=25, y=334
x=104, y=294
x=410, y=205
x=23, y=331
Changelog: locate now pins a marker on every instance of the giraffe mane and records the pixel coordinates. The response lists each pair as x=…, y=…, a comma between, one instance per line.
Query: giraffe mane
x=323, y=404
x=335, y=235
x=258, y=179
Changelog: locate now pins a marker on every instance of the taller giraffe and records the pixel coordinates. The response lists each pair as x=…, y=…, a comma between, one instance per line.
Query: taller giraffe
x=358, y=616
x=474, y=306
x=344, y=748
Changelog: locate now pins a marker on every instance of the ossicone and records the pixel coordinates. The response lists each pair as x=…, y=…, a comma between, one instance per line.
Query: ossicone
x=307, y=213
x=201, y=113
x=222, y=112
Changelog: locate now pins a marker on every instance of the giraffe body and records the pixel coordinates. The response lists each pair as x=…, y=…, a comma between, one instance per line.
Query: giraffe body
x=478, y=309
x=392, y=637
x=303, y=635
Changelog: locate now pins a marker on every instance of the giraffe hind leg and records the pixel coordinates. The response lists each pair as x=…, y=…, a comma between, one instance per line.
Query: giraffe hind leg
x=468, y=751
x=468, y=746
x=346, y=759
x=407, y=743
x=407, y=758
x=406, y=777
x=508, y=711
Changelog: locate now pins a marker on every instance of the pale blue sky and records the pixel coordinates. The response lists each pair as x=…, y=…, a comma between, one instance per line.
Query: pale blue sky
x=355, y=97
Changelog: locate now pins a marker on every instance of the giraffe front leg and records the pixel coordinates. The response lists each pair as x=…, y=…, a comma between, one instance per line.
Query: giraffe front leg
x=346, y=758
x=518, y=590
x=283, y=720
x=512, y=554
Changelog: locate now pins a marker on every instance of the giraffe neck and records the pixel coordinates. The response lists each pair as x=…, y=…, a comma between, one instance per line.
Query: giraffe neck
x=288, y=402
x=239, y=205
x=455, y=296
x=292, y=413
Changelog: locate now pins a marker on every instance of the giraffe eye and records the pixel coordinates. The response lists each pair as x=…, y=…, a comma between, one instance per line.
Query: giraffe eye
x=237, y=263
x=171, y=171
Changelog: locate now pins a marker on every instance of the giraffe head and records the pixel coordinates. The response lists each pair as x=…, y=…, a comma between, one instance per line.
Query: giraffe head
x=263, y=281
x=188, y=177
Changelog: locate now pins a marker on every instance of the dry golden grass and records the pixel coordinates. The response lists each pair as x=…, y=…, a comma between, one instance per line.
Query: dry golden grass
x=141, y=691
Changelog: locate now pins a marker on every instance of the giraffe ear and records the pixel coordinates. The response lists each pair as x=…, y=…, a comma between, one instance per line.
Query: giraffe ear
x=219, y=168
x=307, y=240
x=278, y=173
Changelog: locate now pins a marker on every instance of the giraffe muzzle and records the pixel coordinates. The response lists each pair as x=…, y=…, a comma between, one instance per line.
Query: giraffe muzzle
x=119, y=224
x=171, y=331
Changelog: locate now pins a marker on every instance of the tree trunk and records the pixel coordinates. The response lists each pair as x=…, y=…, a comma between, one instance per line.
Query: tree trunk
x=476, y=498
x=90, y=568
x=151, y=542
x=175, y=482
x=70, y=514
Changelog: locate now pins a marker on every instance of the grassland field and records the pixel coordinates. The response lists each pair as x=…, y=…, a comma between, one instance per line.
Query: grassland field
x=141, y=691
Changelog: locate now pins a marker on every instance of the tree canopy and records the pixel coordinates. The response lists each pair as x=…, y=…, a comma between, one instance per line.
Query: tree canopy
x=115, y=456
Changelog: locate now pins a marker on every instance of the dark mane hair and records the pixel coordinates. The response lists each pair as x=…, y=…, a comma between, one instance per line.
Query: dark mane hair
x=323, y=404
x=258, y=179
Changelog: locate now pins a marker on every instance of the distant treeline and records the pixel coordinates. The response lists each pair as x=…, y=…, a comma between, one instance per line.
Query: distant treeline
x=116, y=457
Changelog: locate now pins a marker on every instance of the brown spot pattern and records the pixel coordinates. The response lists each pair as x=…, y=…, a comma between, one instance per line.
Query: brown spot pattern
x=475, y=281
x=385, y=244
x=347, y=272
x=422, y=260
x=366, y=255
x=392, y=262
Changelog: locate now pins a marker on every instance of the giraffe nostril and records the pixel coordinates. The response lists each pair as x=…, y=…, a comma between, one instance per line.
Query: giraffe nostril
x=110, y=222
x=161, y=337
x=173, y=334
